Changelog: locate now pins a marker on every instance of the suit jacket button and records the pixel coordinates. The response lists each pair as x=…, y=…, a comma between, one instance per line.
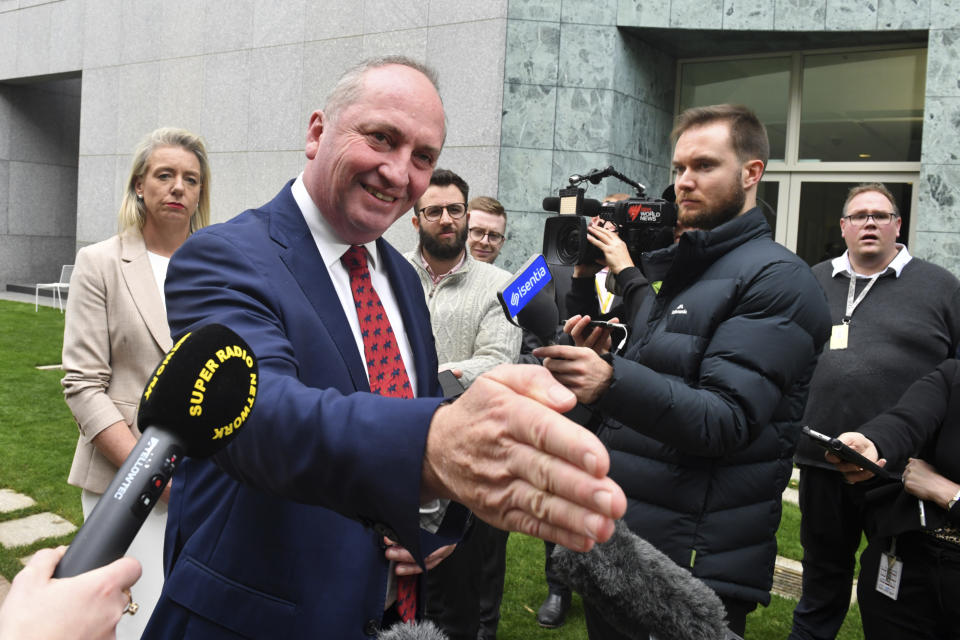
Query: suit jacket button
x=372, y=627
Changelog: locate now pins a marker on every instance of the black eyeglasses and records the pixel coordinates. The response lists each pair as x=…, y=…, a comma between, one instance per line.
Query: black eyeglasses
x=434, y=211
x=477, y=234
x=881, y=219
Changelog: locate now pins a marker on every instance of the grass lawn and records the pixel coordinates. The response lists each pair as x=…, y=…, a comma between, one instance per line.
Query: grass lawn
x=38, y=437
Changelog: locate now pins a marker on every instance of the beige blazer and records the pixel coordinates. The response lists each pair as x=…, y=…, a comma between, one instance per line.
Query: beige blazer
x=116, y=333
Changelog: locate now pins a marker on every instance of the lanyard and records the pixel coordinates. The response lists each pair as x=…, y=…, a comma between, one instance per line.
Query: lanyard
x=853, y=304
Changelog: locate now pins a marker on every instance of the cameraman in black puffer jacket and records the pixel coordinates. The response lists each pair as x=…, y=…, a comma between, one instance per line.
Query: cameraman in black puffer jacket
x=701, y=413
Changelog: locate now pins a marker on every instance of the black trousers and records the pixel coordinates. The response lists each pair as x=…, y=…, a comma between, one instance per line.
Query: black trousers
x=599, y=629
x=928, y=602
x=830, y=531
x=462, y=600
x=554, y=584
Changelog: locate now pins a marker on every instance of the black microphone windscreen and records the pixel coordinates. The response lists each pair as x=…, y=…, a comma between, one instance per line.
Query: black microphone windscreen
x=424, y=630
x=590, y=207
x=203, y=390
x=551, y=203
x=541, y=315
x=638, y=589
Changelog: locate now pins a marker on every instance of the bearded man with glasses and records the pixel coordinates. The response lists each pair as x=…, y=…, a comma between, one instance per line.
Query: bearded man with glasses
x=895, y=318
x=472, y=336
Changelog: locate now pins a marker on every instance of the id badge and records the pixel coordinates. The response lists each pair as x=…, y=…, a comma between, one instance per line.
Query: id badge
x=888, y=577
x=838, y=336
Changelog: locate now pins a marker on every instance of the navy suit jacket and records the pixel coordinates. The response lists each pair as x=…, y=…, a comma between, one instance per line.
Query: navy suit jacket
x=280, y=535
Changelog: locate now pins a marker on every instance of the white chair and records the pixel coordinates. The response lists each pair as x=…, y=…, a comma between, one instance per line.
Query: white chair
x=57, y=287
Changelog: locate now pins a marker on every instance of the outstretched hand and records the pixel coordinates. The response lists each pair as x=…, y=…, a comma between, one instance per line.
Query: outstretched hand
x=504, y=451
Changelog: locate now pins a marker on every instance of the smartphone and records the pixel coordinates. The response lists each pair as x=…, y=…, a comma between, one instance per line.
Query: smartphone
x=847, y=454
x=450, y=384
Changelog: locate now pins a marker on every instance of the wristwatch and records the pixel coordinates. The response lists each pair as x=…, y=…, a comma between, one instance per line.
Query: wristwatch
x=952, y=501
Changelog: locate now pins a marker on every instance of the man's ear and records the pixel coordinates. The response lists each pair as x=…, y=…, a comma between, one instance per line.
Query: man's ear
x=751, y=173
x=314, y=131
x=416, y=222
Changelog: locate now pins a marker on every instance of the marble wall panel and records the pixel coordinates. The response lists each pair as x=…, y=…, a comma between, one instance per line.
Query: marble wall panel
x=851, y=15
x=96, y=191
x=567, y=163
x=587, y=56
x=748, y=15
x=327, y=19
x=9, y=5
x=941, y=131
x=696, y=14
x=944, y=14
x=28, y=260
x=228, y=25
x=525, y=178
x=266, y=173
x=99, y=111
x=938, y=198
x=656, y=75
x=939, y=248
x=644, y=13
x=8, y=95
x=231, y=177
x=137, y=106
x=42, y=199
x=479, y=166
x=139, y=33
x=324, y=62
x=453, y=11
x=184, y=28
x=66, y=47
x=276, y=75
x=102, y=21
x=622, y=125
x=524, y=238
x=546, y=10
x=412, y=43
x=4, y=196
x=226, y=104
x=181, y=105
x=943, y=63
x=280, y=23
x=381, y=16
x=9, y=22
x=904, y=14
x=33, y=41
x=597, y=12
x=583, y=119
x=532, y=52
x=469, y=59
x=800, y=15
x=528, y=116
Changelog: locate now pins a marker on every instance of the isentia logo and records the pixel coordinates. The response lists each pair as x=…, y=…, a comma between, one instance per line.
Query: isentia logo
x=525, y=288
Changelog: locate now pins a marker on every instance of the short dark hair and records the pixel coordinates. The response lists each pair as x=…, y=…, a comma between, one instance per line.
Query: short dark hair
x=444, y=178
x=747, y=133
x=487, y=204
x=878, y=187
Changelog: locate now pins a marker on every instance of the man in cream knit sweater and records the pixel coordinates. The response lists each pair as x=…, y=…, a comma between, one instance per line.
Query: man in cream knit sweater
x=473, y=336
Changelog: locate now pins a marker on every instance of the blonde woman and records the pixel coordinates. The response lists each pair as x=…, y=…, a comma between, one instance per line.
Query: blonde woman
x=116, y=329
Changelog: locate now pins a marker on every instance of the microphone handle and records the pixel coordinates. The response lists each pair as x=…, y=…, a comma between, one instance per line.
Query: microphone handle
x=106, y=535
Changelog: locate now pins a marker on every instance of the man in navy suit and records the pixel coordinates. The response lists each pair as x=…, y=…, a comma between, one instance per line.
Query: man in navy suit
x=288, y=532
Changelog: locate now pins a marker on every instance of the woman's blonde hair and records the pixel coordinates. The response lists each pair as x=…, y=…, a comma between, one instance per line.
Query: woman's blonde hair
x=132, y=210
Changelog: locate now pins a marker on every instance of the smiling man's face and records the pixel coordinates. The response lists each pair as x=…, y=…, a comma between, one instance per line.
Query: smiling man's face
x=368, y=163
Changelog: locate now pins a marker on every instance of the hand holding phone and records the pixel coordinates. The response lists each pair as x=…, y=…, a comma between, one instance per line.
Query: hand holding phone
x=847, y=454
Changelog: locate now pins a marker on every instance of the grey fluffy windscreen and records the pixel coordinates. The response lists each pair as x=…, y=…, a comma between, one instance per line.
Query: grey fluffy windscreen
x=638, y=589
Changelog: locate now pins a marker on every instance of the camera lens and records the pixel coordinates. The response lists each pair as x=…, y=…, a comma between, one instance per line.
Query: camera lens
x=568, y=245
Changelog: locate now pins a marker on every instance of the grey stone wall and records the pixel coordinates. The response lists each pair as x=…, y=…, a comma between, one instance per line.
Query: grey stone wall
x=39, y=133
x=246, y=75
x=578, y=94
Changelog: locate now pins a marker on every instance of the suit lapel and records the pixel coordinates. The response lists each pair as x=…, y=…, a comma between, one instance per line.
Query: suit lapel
x=138, y=276
x=300, y=254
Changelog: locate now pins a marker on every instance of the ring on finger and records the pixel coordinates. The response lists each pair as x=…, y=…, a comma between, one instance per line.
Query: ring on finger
x=131, y=606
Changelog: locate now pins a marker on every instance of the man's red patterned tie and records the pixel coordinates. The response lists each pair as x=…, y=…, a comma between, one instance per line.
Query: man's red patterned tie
x=388, y=376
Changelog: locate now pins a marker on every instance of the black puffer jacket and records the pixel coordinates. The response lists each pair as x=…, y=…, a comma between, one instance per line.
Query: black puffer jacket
x=701, y=418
